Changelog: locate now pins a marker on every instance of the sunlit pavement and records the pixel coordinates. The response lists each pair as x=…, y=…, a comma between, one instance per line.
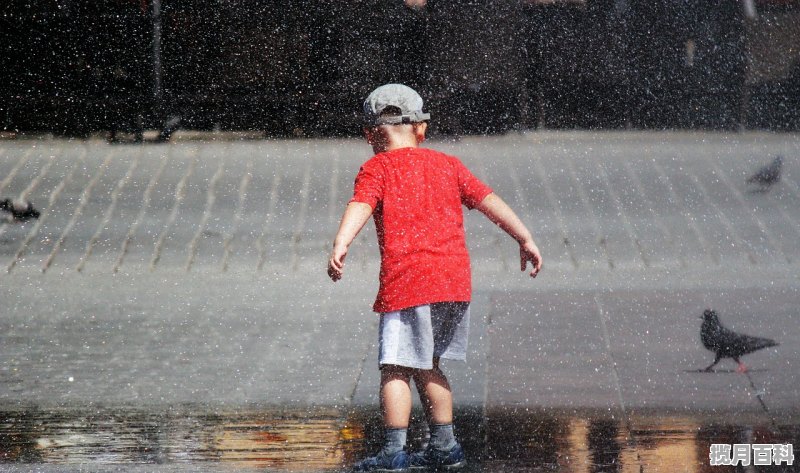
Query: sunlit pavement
x=170, y=308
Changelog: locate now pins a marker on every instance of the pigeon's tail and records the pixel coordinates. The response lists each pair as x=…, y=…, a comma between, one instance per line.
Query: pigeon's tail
x=769, y=343
x=757, y=343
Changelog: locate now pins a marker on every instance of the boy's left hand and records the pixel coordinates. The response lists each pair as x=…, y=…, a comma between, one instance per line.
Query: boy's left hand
x=528, y=251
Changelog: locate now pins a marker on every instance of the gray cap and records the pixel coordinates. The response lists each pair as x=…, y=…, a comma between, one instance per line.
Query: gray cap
x=394, y=95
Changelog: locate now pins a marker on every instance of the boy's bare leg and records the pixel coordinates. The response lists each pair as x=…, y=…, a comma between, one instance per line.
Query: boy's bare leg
x=436, y=397
x=395, y=396
x=434, y=392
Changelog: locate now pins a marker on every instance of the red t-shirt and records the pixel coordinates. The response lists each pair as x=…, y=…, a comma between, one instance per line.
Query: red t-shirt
x=416, y=194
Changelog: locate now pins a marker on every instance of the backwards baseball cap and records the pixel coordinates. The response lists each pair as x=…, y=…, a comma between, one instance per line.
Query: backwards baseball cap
x=394, y=95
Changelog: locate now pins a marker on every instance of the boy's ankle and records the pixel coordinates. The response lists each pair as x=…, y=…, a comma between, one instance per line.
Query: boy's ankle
x=394, y=440
x=442, y=437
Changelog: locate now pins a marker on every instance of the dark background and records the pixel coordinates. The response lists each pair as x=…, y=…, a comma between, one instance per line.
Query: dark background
x=296, y=68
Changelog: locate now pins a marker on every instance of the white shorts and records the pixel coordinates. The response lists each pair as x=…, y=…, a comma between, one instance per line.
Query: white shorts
x=413, y=337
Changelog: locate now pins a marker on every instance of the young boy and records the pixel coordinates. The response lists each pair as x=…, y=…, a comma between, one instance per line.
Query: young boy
x=415, y=195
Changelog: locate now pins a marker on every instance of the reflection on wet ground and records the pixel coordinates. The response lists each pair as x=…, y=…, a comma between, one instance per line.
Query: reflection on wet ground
x=502, y=440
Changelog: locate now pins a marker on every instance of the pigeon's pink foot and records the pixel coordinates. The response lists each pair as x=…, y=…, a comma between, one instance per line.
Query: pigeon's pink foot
x=741, y=368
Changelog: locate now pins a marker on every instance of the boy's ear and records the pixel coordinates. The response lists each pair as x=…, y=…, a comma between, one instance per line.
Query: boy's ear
x=419, y=130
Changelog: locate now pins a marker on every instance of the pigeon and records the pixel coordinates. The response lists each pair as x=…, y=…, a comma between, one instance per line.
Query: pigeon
x=726, y=343
x=18, y=211
x=767, y=175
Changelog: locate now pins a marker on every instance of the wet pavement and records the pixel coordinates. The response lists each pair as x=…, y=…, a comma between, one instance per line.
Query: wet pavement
x=511, y=439
x=170, y=311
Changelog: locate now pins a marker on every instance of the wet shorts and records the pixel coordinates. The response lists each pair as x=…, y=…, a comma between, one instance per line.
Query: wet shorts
x=413, y=337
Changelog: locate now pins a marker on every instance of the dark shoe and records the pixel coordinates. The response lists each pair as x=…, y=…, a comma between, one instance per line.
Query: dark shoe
x=435, y=459
x=382, y=463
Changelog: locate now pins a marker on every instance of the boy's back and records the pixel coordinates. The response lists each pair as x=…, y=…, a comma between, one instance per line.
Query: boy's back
x=417, y=194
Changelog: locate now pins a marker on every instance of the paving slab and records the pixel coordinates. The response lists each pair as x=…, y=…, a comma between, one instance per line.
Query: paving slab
x=156, y=338
x=535, y=338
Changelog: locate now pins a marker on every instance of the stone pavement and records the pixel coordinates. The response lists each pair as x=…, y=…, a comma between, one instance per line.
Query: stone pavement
x=194, y=272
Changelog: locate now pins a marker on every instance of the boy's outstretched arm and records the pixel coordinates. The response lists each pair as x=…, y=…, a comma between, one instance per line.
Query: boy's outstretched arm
x=355, y=216
x=500, y=213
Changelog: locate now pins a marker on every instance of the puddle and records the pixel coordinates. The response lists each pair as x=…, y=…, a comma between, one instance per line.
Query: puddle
x=331, y=439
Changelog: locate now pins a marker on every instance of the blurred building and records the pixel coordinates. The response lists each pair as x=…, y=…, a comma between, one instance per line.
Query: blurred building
x=301, y=68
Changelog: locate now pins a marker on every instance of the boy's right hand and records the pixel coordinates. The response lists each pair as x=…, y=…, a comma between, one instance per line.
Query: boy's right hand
x=355, y=216
x=336, y=262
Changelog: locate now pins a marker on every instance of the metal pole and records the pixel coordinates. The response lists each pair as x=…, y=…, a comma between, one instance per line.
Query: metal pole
x=158, y=92
x=750, y=16
x=622, y=39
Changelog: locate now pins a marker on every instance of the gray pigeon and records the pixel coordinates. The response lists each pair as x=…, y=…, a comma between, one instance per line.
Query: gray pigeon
x=726, y=343
x=18, y=210
x=767, y=175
